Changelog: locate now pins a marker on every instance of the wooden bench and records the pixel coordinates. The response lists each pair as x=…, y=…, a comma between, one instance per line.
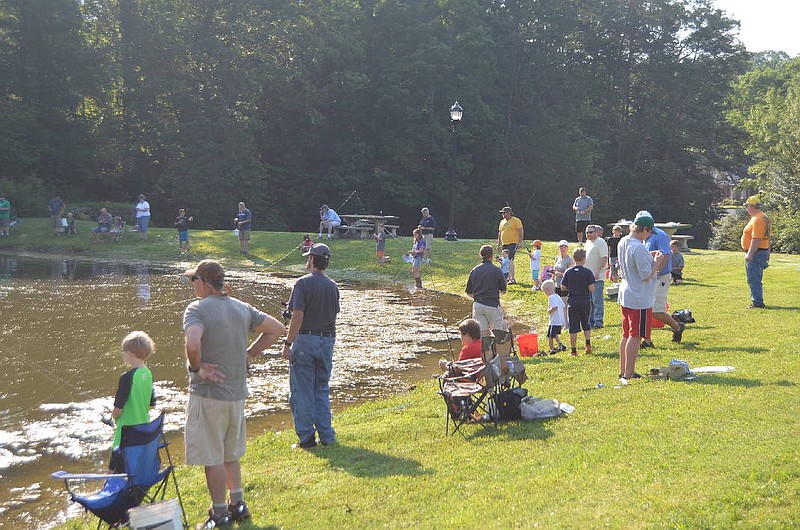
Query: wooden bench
x=354, y=231
x=684, y=242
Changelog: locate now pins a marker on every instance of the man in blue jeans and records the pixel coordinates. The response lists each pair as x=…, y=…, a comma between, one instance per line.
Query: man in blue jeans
x=314, y=304
x=597, y=262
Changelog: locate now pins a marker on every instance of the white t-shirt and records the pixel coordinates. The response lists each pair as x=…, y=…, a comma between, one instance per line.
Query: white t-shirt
x=557, y=316
x=142, y=209
x=635, y=264
x=595, y=252
x=536, y=259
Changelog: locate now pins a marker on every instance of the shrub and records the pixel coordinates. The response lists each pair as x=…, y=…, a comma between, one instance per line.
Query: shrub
x=727, y=231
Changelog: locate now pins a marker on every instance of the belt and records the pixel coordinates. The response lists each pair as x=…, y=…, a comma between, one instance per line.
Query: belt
x=318, y=333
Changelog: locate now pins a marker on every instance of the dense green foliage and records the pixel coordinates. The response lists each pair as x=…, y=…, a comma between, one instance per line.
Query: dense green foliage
x=767, y=105
x=287, y=105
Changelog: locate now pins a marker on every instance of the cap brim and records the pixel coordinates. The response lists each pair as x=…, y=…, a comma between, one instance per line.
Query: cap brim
x=190, y=272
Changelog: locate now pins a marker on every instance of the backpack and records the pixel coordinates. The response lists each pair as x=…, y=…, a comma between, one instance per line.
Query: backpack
x=508, y=404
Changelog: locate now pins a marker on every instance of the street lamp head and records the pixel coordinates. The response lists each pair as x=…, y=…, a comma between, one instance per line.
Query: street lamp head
x=455, y=112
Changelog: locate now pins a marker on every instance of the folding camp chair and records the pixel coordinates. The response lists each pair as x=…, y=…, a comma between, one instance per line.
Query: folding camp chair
x=140, y=449
x=500, y=354
x=466, y=395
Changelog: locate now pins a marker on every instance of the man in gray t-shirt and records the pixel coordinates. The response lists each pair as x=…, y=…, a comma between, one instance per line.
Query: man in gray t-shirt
x=314, y=304
x=583, y=207
x=217, y=356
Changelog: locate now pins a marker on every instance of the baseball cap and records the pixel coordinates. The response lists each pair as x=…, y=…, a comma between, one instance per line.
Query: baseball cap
x=210, y=271
x=643, y=219
x=318, y=249
x=563, y=243
x=424, y=210
x=753, y=200
x=506, y=209
x=536, y=242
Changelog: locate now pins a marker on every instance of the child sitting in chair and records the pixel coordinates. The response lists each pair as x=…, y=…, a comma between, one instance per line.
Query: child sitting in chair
x=135, y=393
x=471, y=342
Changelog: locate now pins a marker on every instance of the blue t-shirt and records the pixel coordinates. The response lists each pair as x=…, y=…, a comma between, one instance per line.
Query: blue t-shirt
x=659, y=240
x=244, y=218
x=577, y=281
x=55, y=206
x=428, y=224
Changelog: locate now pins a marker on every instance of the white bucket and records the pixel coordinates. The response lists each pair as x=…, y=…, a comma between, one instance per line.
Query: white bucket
x=162, y=515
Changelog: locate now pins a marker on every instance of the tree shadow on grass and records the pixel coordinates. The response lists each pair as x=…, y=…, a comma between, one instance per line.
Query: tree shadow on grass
x=750, y=349
x=361, y=462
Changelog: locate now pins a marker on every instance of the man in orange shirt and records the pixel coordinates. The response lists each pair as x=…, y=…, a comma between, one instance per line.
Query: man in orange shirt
x=755, y=243
x=510, y=236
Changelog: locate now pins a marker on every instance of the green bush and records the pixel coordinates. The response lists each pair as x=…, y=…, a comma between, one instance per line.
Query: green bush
x=727, y=231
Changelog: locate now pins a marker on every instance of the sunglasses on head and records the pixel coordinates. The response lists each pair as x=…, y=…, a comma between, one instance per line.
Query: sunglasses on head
x=195, y=278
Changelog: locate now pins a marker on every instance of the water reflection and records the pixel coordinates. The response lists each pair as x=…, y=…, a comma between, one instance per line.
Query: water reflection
x=61, y=324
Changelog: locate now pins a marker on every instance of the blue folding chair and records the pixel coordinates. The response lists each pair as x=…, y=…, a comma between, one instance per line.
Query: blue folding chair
x=140, y=449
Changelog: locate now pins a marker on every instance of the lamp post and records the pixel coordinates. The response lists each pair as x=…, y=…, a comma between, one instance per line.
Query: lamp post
x=455, y=117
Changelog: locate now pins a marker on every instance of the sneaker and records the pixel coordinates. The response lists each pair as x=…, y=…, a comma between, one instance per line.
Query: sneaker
x=588, y=348
x=647, y=344
x=239, y=511
x=553, y=351
x=217, y=521
x=561, y=347
x=319, y=236
x=677, y=335
x=756, y=306
x=308, y=444
x=542, y=353
x=329, y=236
x=573, y=354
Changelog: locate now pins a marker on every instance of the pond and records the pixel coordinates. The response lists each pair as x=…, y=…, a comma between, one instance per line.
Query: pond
x=61, y=323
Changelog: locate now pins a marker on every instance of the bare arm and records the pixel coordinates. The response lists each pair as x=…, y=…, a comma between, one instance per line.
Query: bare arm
x=294, y=328
x=207, y=371
x=753, y=247
x=270, y=331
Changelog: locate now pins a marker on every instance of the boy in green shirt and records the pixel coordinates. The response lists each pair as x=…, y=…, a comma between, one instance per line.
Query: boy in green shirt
x=135, y=393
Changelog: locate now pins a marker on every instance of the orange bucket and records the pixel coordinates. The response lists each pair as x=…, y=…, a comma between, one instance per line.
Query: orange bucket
x=528, y=344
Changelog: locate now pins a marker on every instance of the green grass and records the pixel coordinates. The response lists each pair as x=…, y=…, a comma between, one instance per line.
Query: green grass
x=718, y=452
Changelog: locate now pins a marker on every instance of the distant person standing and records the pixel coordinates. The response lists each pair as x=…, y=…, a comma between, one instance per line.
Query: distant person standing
x=314, y=304
x=142, y=216
x=510, y=236
x=182, y=224
x=56, y=208
x=427, y=224
x=485, y=285
x=417, y=253
x=583, y=207
x=636, y=293
x=755, y=243
x=217, y=327
x=242, y=221
x=5, y=216
x=597, y=262
x=329, y=220
x=613, y=243
x=579, y=282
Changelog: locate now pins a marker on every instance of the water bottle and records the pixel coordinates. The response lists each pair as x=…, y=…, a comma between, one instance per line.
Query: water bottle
x=566, y=407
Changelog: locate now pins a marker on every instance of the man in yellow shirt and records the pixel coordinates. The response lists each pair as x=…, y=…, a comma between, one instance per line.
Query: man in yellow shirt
x=510, y=236
x=755, y=243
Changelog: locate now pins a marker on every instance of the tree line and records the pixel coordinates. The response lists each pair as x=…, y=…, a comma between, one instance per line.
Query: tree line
x=290, y=104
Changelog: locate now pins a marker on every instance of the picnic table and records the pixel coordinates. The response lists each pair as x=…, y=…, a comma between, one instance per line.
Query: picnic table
x=358, y=225
x=670, y=228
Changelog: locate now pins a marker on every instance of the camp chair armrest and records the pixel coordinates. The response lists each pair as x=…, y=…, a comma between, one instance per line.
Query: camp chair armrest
x=63, y=475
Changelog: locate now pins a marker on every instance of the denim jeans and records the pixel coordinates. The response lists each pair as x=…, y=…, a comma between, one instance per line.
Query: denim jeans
x=309, y=390
x=755, y=273
x=598, y=305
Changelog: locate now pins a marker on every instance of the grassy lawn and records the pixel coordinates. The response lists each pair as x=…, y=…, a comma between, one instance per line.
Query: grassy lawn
x=717, y=452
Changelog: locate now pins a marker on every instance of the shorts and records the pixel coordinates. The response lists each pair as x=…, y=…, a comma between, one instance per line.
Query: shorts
x=578, y=318
x=636, y=322
x=143, y=222
x=535, y=274
x=101, y=230
x=183, y=235
x=488, y=317
x=417, y=261
x=333, y=224
x=215, y=431
x=244, y=235
x=662, y=287
x=5, y=221
x=580, y=226
x=553, y=331
x=512, y=250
